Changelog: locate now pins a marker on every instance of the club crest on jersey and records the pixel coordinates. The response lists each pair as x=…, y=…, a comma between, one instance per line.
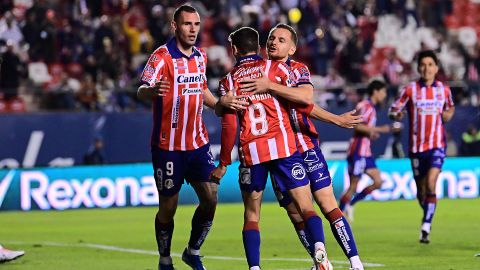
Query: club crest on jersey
x=311, y=157
x=298, y=172
x=191, y=91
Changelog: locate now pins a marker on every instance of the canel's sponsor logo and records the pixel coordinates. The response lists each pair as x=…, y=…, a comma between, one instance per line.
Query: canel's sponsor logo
x=191, y=78
x=36, y=188
x=298, y=172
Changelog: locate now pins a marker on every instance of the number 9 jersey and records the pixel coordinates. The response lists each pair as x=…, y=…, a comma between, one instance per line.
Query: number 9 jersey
x=265, y=130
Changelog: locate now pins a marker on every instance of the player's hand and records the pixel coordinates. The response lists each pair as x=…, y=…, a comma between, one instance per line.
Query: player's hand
x=161, y=88
x=218, y=173
x=233, y=102
x=397, y=116
x=349, y=119
x=257, y=85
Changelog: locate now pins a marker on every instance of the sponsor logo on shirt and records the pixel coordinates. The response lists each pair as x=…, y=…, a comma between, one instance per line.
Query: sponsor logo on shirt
x=191, y=91
x=192, y=78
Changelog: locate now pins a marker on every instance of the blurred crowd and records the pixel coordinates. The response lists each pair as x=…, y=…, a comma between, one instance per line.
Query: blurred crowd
x=87, y=54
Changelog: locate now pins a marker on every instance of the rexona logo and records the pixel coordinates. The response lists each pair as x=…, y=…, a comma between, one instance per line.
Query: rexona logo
x=37, y=188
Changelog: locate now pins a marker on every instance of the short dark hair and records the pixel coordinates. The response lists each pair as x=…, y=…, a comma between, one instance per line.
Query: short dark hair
x=184, y=8
x=292, y=31
x=425, y=54
x=245, y=39
x=375, y=85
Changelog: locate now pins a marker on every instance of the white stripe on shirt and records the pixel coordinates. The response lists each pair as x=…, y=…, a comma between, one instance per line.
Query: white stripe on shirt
x=253, y=152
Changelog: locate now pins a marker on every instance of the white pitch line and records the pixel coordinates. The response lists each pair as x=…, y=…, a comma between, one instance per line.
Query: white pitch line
x=149, y=252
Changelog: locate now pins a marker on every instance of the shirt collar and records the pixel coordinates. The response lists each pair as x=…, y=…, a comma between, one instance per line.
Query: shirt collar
x=288, y=62
x=421, y=82
x=248, y=58
x=175, y=51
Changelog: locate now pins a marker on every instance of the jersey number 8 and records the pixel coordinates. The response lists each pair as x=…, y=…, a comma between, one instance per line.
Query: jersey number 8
x=258, y=119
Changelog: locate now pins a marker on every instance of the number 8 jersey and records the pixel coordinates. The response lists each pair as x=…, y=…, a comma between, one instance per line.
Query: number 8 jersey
x=265, y=131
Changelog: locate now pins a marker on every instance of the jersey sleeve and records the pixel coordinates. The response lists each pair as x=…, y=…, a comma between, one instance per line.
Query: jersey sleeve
x=229, y=135
x=153, y=70
x=303, y=75
x=448, y=99
x=401, y=101
x=223, y=86
x=205, y=60
x=283, y=74
x=365, y=111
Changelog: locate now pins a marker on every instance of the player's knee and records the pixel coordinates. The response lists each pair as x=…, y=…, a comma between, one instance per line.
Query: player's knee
x=377, y=185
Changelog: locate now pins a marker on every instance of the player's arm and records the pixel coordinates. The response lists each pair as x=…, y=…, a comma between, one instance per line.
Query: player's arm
x=366, y=130
x=229, y=135
x=302, y=94
x=449, y=108
x=448, y=114
x=208, y=99
x=146, y=92
x=395, y=112
x=345, y=120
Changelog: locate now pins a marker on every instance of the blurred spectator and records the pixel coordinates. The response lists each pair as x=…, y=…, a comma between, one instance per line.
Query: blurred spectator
x=11, y=70
x=470, y=142
x=9, y=30
x=95, y=155
x=87, y=96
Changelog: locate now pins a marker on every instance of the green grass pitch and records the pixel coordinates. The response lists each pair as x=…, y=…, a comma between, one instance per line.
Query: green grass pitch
x=386, y=233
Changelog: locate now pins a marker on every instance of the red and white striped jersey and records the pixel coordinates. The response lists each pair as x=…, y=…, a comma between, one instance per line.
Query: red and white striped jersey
x=425, y=106
x=360, y=144
x=177, y=117
x=265, y=130
x=305, y=133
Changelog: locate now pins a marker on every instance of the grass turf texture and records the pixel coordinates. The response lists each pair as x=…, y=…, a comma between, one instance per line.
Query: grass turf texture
x=386, y=233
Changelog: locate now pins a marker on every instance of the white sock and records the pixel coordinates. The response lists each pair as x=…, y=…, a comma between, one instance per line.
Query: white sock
x=356, y=263
x=255, y=268
x=426, y=227
x=319, y=245
x=166, y=260
x=192, y=251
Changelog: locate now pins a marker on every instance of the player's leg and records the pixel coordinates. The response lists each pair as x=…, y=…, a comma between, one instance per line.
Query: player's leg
x=168, y=179
x=339, y=225
x=322, y=190
x=290, y=172
x=356, y=167
x=200, y=165
x=372, y=171
x=286, y=202
x=435, y=162
x=252, y=183
x=346, y=197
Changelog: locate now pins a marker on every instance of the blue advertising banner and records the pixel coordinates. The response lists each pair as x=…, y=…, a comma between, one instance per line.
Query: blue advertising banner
x=62, y=139
x=134, y=185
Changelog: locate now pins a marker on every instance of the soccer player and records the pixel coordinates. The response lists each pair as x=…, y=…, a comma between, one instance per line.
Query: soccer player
x=267, y=145
x=359, y=155
x=174, y=79
x=8, y=255
x=429, y=104
x=281, y=45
